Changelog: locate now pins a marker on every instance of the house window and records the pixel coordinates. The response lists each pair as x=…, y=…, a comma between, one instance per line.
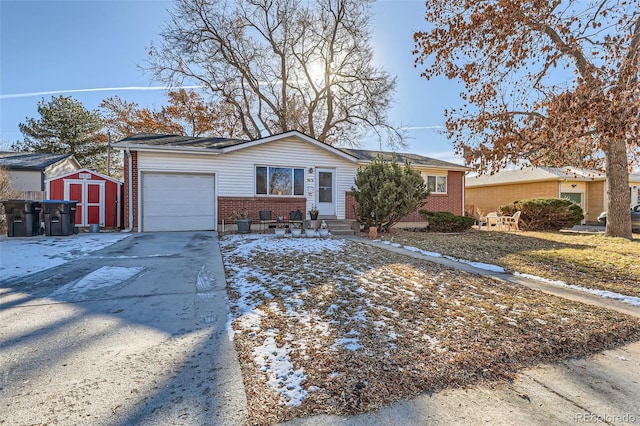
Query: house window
x=436, y=184
x=279, y=181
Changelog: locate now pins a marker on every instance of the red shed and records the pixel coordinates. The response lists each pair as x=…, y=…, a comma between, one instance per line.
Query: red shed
x=98, y=196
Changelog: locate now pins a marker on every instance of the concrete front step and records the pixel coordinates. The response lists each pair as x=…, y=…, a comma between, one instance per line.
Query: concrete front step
x=339, y=227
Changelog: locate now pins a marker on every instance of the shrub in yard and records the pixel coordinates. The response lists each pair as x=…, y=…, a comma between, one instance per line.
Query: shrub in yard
x=447, y=222
x=545, y=214
x=6, y=193
x=386, y=192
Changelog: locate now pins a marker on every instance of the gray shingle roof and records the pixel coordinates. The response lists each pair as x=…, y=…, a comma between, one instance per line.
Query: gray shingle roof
x=535, y=174
x=215, y=144
x=29, y=160
x=414, y=159
x=177, y=141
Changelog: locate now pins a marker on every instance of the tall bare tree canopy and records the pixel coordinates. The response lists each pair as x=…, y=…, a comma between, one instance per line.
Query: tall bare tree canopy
x=186, y=114
x=552, y=82
x=281, y=65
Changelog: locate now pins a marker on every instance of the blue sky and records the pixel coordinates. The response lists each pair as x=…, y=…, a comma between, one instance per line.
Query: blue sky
x=51, y=47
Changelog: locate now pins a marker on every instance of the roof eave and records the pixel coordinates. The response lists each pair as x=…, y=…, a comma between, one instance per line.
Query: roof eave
x=176, y=149
x=471, y=183
x=453, y=167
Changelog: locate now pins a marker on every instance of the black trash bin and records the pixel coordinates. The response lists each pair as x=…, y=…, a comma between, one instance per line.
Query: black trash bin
x=59, y=217
x=23, y=217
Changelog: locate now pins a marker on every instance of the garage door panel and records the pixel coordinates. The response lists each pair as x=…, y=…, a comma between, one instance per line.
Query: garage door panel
x=178, y=202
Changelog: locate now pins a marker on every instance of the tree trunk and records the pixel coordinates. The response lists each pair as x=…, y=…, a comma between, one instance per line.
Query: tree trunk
x=618, y=216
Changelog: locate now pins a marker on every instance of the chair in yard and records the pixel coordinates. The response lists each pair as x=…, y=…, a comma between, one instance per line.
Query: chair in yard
x=266, y=218
x=509, y=221
x=296, y=219
x=480, y=218
x=493, y=219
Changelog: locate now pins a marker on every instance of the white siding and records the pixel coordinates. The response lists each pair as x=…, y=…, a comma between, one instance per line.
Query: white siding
x=60, y=168
x=235, y=171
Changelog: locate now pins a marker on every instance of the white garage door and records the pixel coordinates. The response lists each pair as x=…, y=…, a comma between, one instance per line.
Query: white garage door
x=178, y=202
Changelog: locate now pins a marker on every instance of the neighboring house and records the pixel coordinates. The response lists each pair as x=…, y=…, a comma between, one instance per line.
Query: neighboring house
x=28, y=171
x=177, y=183
x=98, y=196
x=585, y=187
x=634, y=183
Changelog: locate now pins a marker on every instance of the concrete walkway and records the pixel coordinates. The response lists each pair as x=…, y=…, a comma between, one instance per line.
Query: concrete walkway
x=550, y=288
x=600, y=389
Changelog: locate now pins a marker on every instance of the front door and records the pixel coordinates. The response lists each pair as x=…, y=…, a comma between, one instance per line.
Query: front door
x=325, y=192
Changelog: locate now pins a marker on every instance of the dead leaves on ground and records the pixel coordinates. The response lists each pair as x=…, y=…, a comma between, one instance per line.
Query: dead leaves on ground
x=367, y=327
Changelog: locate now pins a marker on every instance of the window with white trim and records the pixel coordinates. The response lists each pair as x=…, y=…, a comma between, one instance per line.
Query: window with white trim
x=274, y=180
x=436, y=184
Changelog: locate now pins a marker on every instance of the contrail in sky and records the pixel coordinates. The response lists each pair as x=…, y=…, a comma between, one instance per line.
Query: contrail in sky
x=422, y=127
x=96, y=89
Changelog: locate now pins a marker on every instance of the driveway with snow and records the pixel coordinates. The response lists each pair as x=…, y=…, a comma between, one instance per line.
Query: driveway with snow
x=116, y=329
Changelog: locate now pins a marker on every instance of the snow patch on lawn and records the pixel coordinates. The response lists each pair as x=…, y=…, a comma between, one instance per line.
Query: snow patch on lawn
x=276, y=363
x=479, y=265
x=635, y=301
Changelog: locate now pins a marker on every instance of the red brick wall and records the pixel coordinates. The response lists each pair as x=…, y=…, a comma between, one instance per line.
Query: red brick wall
x=125, y=192
x=449, y=202
x=280, y=206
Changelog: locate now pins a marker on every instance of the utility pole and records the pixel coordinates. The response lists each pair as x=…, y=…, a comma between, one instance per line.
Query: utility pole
x=108, y=153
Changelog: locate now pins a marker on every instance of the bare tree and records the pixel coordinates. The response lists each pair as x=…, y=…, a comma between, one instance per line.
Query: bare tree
x=282, y=65
x=546, y=81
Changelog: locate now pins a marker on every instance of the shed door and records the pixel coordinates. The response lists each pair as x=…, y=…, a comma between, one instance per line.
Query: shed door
x=90, y=195
x=178, y=202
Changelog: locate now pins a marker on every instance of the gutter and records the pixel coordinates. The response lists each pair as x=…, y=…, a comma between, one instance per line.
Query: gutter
x=177, y=149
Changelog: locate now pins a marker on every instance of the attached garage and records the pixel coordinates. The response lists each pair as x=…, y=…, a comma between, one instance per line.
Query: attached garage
x=178, y=202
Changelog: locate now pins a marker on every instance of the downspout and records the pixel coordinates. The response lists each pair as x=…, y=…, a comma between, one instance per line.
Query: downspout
x=130, y=189
x=464, y=192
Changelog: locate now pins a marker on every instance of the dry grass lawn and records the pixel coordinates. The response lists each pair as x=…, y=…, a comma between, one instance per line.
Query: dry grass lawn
x=587, y=260
x=336, y=326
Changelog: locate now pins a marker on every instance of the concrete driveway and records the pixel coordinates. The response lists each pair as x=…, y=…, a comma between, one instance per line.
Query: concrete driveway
x=131, y=334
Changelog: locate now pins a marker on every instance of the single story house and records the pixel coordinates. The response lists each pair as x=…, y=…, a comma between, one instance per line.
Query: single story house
x=29, y=171
x=174, y=183
x=586, y=187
